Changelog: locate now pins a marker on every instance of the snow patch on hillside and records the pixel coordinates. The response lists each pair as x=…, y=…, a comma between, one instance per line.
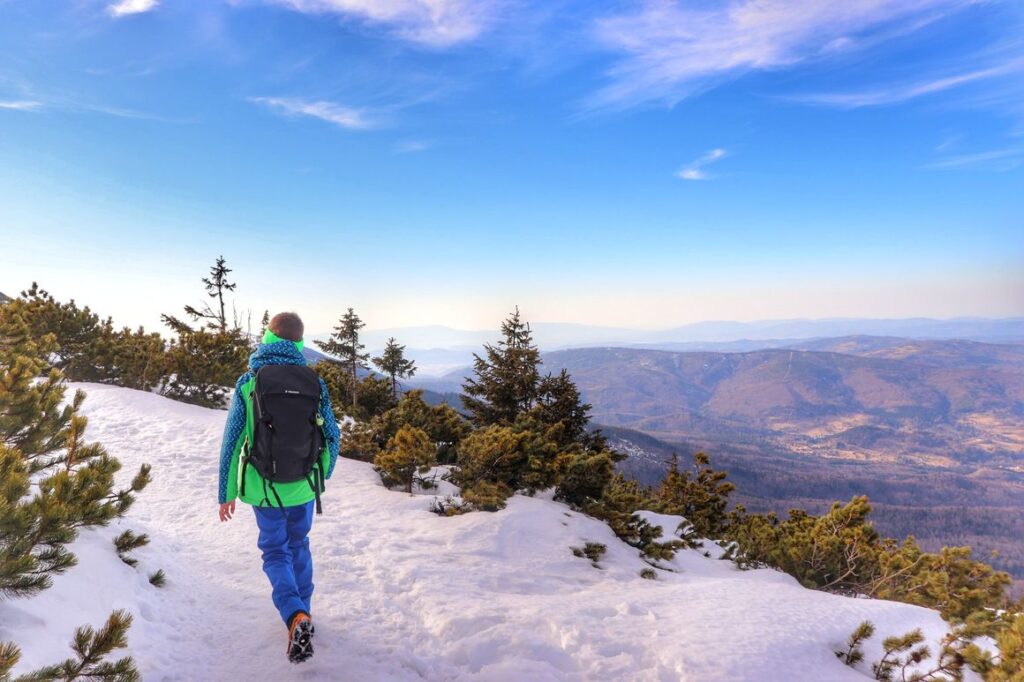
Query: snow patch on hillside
x=404, y=594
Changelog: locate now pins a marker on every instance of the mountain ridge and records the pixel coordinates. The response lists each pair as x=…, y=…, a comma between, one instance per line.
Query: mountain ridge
x=560, y=335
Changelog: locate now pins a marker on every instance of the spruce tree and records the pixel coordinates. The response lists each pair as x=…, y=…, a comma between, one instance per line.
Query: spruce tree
x=375, y=397
x=507, y=377
x=216, y=284
x=560, y=402
x=203, y=364
x=264, y=323
x=344, y=345
x=394, y=364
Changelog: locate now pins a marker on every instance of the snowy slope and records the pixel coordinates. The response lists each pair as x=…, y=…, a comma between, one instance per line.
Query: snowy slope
x=403, y=594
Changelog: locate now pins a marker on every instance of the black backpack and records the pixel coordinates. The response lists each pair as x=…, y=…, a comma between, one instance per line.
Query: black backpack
x=288, y=437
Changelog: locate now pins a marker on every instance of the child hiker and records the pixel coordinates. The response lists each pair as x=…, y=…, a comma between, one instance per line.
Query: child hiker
x=280, y=443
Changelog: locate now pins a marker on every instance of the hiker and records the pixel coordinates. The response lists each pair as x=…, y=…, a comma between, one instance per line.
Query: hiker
x=280, y=444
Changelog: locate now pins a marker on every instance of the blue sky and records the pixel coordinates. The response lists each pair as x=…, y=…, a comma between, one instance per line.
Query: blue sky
x=436, y=162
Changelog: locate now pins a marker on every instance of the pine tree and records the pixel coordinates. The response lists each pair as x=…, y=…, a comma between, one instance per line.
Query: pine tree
x=507, y=378
x=83, y=340
x=216, y=284
x=1007, y=630
x=138, y=359
x=202, y=366
x=523, y=456
x=358, y=441
x=158, y=578
x=264, y=323
x=485, y=496
x=128, y=542
x=701, y=496
x=409, y=452
x=344, y=345
x=394, y=364
x=90, y=647
x=854, y=653
x=51, y=482
x=586, y=478
x=32, y=417
x=444, y=425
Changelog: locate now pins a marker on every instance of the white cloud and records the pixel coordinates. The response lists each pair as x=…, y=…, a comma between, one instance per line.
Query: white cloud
x=20, y=105
x=673, y=49
x=435, y=23
x=695, y=169
x=338, y=114
x=907, y=91
x=126, y=7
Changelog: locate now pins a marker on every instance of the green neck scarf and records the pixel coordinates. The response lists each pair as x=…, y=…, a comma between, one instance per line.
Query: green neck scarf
x=271, y=337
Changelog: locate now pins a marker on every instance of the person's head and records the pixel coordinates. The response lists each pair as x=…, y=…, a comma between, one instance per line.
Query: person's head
x=285, y=327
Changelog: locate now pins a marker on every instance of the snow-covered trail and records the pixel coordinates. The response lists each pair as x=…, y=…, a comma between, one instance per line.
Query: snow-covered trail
x=403, y=594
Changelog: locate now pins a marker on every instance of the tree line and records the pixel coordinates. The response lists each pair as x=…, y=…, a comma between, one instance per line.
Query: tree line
x=206, y=351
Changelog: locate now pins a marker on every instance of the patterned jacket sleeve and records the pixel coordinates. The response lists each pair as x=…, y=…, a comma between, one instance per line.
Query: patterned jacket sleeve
x=233, y=428
x=330, y=427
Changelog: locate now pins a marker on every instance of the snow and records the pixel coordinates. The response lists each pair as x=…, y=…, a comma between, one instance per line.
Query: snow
x=404, y=594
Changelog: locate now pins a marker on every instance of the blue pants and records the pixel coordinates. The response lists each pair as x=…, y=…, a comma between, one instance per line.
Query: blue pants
x=286, y=557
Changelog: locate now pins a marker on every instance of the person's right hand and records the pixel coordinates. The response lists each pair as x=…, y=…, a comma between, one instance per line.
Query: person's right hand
x=226, y=510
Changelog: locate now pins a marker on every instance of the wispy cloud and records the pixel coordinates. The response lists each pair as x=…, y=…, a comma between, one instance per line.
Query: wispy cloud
x=434, y=23
x=695, y=169
x=413, y=146
x=672, y=49
x=21, y=105
x=125, y=7
x=907, y=91
x=332, y=112
x=67, y=104
x=996, y=159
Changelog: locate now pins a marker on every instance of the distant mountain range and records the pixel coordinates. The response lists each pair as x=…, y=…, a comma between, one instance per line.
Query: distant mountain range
x=438, y=349
x=891, y=399
x=929, y=402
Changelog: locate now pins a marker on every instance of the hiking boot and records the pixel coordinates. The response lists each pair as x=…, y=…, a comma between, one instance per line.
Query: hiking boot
x=300, y=638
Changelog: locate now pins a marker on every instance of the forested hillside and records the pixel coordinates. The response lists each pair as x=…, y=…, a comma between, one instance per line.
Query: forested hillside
x=938, y=403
